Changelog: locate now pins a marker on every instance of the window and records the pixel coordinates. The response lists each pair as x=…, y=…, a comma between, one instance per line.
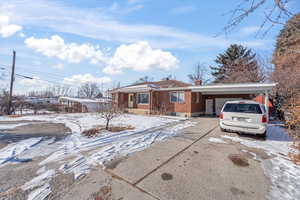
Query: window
x=243, y=108
x=143, y=98
x=177, y=97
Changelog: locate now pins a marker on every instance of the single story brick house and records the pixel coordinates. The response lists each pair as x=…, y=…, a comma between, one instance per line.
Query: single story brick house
x=179, y=98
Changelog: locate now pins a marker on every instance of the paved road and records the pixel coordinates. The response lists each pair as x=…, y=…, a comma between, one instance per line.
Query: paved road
x=187, y=167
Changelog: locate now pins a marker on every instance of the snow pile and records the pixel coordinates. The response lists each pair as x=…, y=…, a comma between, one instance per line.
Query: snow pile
x=283, y=173
x=40, y=193
x=11, y=152
x=216, y=140
x=271, y=147
x=41, y=182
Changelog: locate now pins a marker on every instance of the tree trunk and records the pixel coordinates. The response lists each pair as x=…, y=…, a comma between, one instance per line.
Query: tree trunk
x=107, y=124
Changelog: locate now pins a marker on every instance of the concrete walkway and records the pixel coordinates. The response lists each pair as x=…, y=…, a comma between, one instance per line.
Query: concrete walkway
x=187, y=167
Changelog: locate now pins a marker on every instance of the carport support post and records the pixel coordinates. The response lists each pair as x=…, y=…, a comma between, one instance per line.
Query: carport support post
x=267, y=103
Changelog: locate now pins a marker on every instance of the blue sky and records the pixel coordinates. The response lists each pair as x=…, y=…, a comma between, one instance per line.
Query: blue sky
x=75, y=41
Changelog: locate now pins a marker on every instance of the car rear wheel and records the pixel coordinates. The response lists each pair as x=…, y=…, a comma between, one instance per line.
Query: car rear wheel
x=264, y=135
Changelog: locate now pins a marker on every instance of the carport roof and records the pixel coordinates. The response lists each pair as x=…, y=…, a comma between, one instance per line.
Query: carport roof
x=240, y=88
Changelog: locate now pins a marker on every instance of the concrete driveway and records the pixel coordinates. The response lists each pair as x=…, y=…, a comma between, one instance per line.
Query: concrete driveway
x=184, y=168
x=188, y=167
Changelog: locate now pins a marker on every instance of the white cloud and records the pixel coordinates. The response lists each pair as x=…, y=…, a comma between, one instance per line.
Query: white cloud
x=140, y=57
x=249, y=30
x=22, y=35
x=35, y=84
x=56, y=47
x=59, y=66
x=182, y=10
x=85, y=78
x=7, y=29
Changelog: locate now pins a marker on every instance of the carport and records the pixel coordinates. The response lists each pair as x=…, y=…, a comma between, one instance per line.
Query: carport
x=215, y=96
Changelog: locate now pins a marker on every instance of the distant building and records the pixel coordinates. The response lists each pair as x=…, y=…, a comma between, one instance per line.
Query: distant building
x=78, y=105
x=41, y=100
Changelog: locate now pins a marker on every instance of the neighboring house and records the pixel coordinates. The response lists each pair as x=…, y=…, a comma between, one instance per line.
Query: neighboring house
x=75, y=105
x=178, y=98
x=41, y=100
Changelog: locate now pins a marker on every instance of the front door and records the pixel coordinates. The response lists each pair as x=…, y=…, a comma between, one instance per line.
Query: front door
x=209, y=107
x=130, y=100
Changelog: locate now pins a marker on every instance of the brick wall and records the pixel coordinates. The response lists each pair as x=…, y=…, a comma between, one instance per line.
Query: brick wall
x=161, y=102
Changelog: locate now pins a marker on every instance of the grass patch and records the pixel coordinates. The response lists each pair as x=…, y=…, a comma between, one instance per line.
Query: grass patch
x=295, y=158
x=105, y=193
x=98, y=130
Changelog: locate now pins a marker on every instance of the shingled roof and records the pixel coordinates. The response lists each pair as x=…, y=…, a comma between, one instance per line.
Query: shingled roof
x=165, y=84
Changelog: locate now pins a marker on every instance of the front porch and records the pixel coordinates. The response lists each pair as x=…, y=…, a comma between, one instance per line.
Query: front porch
x=134, y=102
x=138, y=111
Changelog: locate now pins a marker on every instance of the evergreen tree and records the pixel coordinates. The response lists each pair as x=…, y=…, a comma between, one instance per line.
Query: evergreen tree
x=236, y=64
x=288, y=45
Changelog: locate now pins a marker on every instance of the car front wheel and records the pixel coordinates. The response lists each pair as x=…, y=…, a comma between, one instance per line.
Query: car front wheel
x=222, y=129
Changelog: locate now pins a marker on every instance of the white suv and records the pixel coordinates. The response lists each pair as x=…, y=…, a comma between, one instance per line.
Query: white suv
x=244, y=116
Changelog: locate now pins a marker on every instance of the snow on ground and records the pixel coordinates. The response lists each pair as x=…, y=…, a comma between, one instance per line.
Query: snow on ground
x=85, y=153
x=31, y=112
x=216, y=140
x=11, y=152
x=283, y=173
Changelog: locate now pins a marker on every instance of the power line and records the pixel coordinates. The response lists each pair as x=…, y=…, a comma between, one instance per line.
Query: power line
x=33, y=78
x=34, y=71
x=37, y=71
x=57, y=79
x=27, y=77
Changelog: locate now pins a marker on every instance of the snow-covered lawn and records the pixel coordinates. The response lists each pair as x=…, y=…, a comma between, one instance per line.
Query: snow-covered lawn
x=283, y=173
x=77, y=153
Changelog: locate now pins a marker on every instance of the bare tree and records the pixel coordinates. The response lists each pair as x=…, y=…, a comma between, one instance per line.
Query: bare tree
x=278, y=13
x=144, y=79
x=200, y=73
x=4, y=94
x=60, y=91
x=169, y=77
x=108, y=112
x=88, y=90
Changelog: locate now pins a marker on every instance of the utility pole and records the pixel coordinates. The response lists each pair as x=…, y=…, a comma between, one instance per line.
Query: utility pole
x=11, y=83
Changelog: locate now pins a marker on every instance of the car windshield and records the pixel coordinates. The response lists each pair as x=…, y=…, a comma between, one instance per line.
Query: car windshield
x=242, y=108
